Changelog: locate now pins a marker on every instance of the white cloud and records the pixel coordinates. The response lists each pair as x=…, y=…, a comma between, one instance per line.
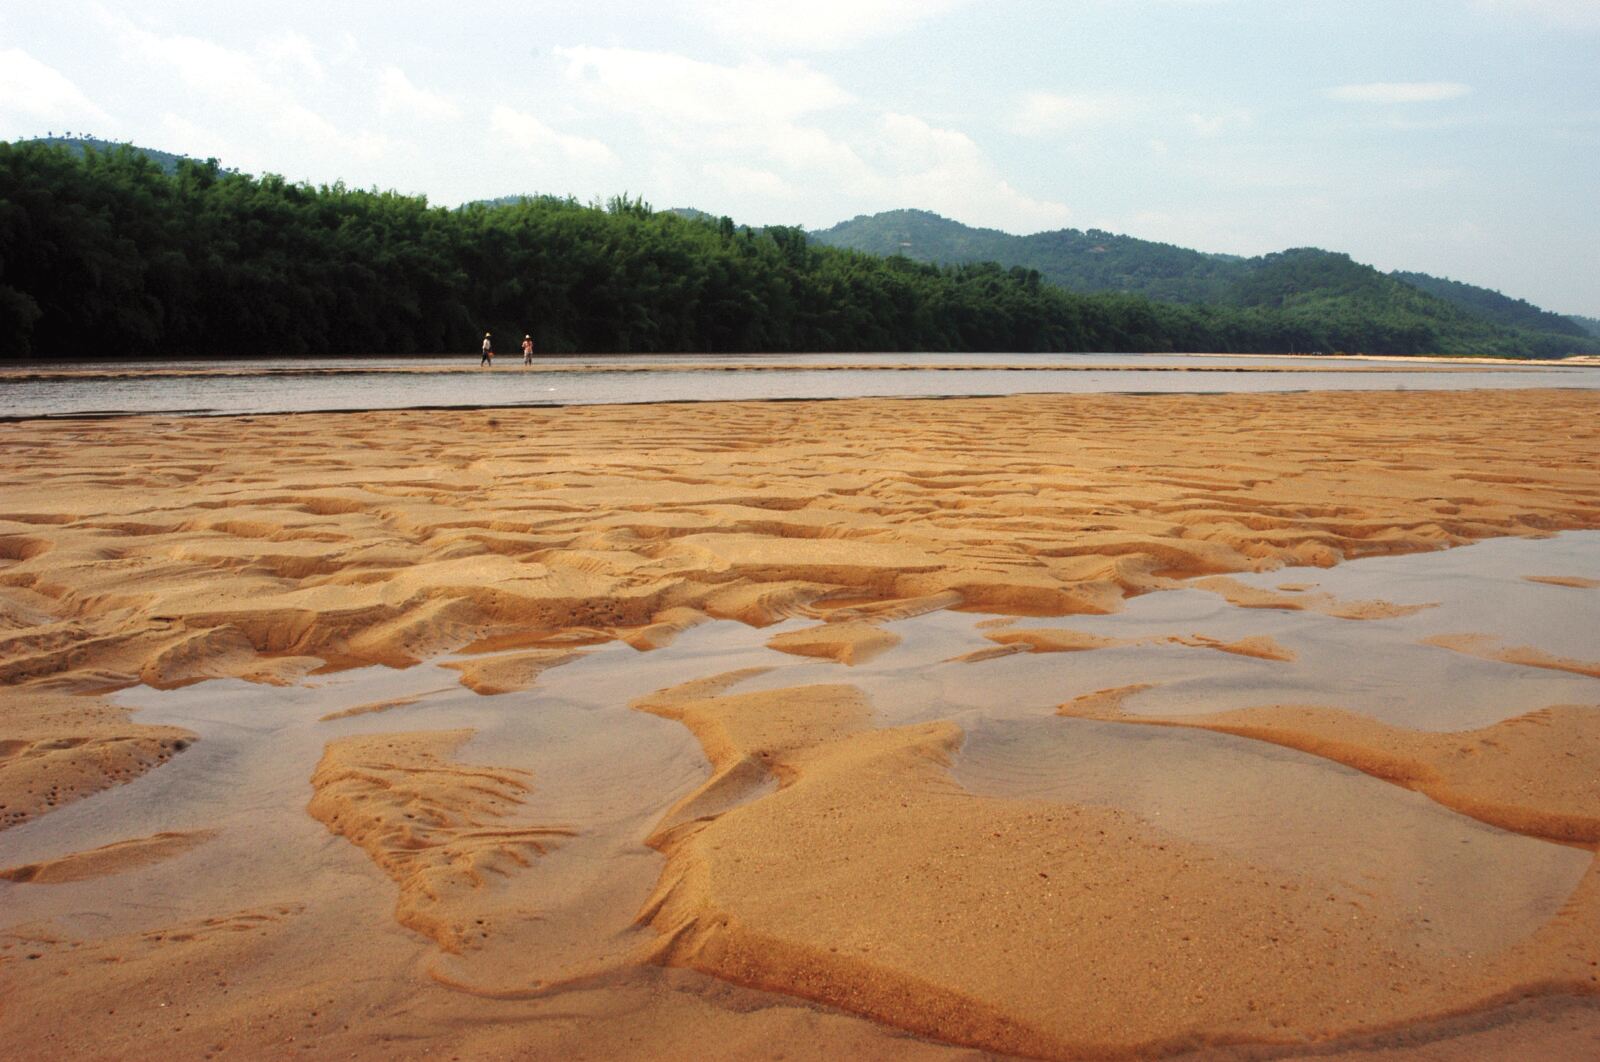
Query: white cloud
x=748, y=180
x=1400, y=92
x=683, y=89
x=203, y=66
x=817, y=24
x=944, y=171
x=302, y=123
x=1043, y=113
x=536, y=138
x=294, y=54
x=32, y=90
x=253, y=94
x=787, y=137
x=201, y=142
x=398, y=96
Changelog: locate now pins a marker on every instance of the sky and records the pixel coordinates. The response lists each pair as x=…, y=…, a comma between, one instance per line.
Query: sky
x=1453, y=137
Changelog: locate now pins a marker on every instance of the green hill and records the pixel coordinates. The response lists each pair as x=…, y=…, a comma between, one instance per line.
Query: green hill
x=1501, y=309
x=1333, y=300
x=1074, y=259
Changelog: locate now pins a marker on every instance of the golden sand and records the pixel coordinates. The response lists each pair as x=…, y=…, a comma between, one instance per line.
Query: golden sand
x=825, y=858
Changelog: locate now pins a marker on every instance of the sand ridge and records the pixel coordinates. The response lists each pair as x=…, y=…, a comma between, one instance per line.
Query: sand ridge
x=1487, y=648
x=506, y=672
x=56, y=748
x=1066, y=640
x=1574, y=582
x=108, y=859
x=432, y=825
x=848, y=642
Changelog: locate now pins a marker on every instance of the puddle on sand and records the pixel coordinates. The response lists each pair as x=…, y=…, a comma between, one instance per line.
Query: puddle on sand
x=1377, y=667
x=1466, y=888
x=608, y=772
x=596, y=767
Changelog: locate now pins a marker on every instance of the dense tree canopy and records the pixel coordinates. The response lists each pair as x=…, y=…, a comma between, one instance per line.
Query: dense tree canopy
x=105, y=253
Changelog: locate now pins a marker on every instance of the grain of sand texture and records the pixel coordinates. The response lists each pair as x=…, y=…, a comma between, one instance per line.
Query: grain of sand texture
x=827, y=890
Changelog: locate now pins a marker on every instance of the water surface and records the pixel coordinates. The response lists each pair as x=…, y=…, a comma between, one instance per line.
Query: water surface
x=283, y=386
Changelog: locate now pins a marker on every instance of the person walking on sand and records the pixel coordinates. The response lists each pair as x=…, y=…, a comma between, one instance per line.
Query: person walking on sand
x=488, y=352
x=527, y=350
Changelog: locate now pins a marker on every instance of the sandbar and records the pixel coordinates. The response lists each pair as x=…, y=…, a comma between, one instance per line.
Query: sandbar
x=818, y=882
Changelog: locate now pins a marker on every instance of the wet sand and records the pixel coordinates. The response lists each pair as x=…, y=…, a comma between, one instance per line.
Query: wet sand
x=1053, y=726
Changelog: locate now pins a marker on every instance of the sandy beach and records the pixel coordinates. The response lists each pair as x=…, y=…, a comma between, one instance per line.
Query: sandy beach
x=761, y=729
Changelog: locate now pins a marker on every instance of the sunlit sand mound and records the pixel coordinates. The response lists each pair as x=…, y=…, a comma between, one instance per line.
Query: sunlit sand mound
x=370, y=707
x=848, y=642
x=56, y=748
x=438, y=828
x=1487, y=648
x=1537, y=774
x=869, y=880
x=1048, y=640
x=1242, y=595
x=1261, y=646
x=510, y=671
x=108, y=859
x=1575, y=582
x=666, y=628
x=1066, y=640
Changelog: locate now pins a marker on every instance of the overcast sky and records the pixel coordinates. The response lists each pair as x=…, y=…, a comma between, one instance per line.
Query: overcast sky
x=1455, y=137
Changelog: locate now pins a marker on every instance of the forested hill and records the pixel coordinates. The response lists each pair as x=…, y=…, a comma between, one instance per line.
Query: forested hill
x=1591, y=325
x=1501, y=309
x=106, y=253
x=1078, y=261
x=167, y=161
x=1096, y=261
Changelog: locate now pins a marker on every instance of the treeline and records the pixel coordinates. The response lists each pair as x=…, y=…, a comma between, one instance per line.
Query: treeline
x=105, y=254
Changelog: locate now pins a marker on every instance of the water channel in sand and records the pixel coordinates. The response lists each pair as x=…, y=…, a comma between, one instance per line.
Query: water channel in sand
x=606, y=772
x=275, y=386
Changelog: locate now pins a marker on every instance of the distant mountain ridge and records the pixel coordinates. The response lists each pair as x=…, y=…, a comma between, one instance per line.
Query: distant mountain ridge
x=1502, y=309
x=1098, y=261
x=1591, y=325
x=1090, y=260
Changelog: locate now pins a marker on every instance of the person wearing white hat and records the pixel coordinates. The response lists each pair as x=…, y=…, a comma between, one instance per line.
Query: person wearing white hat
x=527, y=350
x=488, y=352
